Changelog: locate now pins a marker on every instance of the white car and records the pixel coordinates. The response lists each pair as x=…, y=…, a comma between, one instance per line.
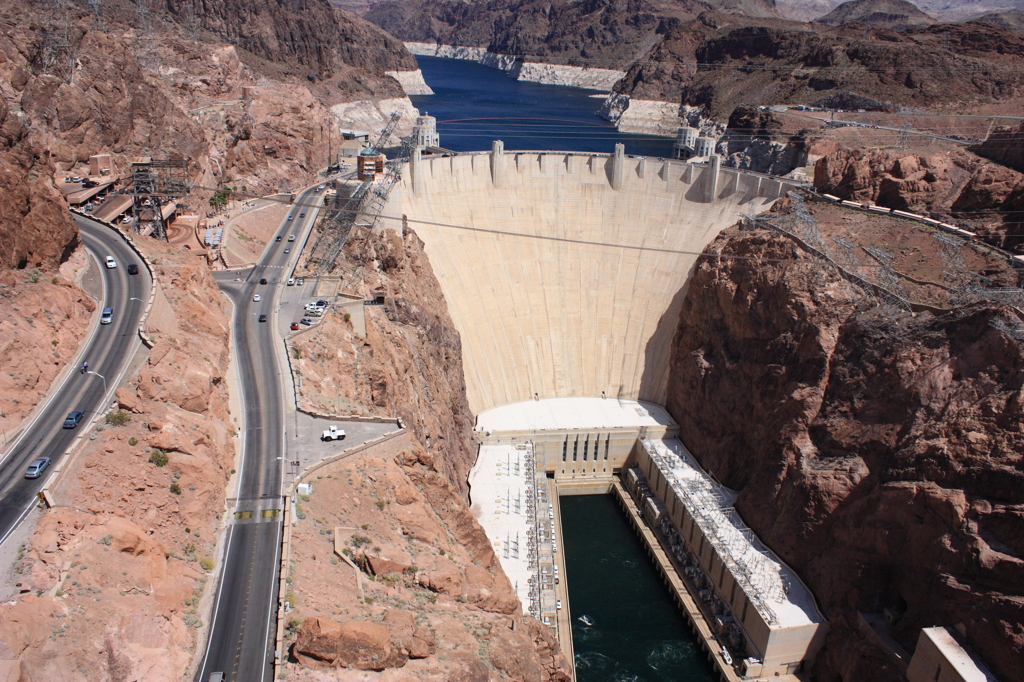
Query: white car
x=291, y=281
x=126, y=220
x=291, y=237
x=111, y=263
x=255, y=298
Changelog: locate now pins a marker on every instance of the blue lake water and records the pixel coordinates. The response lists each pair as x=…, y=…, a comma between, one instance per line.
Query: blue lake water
x=635, y=632
x=475, y=104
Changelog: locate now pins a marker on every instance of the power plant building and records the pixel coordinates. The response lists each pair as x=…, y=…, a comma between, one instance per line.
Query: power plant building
x=760, y=605
x=704, y=146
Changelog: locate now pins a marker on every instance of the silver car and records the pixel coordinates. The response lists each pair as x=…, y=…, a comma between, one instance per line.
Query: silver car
x=36, y=468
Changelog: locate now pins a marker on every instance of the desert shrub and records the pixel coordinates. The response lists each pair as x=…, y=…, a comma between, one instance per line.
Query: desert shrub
x=158, y=457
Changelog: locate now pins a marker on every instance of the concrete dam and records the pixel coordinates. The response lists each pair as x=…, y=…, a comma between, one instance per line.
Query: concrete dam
x=565, y=273
x=569, y=278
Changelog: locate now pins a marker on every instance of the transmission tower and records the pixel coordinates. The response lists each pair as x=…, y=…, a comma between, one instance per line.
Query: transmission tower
x=57, y=53
x=904, y=137
x=368, y=199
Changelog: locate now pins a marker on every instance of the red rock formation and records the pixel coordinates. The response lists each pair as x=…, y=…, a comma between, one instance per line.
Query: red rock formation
x=35, y=229
x=877, y=452
x=411, y=356
x=981, y=196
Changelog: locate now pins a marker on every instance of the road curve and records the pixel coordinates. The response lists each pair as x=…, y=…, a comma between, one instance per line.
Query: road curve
x=108, y=352
x=241, y=639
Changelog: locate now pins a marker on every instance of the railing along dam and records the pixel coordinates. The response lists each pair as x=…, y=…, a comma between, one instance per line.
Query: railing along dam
x=564, y=272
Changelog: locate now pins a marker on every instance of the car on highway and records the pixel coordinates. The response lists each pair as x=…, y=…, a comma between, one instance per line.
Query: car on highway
x=291, y=281
x=291, y=237
x=75, y=178
x=125, y=220
x=36, y=468
x=291, y=217
x=263, y=280
x=110, y=263
x=87, y=207
x=302, y=215
x=133, y=269
x=263, y=318
x=295, y=325
x=255, y=298
x=277, y=238
x=73, y=418
x=107, y=316
x=287, y=250
x=307, y=320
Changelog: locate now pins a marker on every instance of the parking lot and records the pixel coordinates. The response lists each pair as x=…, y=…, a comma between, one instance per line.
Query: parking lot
x=304, y=444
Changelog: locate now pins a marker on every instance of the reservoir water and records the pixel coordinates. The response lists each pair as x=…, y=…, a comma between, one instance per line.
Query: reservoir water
x=475, y=104
x=625, y=626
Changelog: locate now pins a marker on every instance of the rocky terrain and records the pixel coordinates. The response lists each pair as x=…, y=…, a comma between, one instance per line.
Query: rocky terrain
x=45, y=315
x=408, y=365
x=605, y=35
x=392, y=573
x=983, y=197
x=1013, y=20
x=758, y=62
x=877, y=451
x=943, y=10
x=176, y=90
x=112, y=580
x=894, y=14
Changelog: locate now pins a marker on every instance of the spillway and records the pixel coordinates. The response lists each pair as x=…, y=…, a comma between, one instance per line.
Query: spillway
x=564, y=272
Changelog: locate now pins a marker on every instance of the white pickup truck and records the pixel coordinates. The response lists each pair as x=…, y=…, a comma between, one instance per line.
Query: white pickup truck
x=333, y=433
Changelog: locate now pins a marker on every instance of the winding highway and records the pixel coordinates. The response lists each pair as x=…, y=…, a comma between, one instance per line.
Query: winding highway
x=108, y=351
x=243, y=628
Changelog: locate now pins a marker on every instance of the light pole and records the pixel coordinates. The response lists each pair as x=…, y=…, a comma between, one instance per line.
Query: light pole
x=101, y=377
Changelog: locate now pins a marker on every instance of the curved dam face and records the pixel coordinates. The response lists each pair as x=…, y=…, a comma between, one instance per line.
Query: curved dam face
x=564, y=272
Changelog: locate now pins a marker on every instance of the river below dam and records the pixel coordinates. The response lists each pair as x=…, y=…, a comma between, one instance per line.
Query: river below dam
x=625, y=625
x=475, y=104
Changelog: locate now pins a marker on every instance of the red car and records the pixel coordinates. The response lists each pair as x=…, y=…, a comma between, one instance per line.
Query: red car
x=295, y=325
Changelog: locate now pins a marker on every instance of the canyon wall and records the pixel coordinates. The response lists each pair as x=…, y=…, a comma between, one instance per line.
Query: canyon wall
x=876, y=451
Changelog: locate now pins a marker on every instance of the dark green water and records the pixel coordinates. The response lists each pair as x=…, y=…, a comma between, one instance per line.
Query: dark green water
x=637, y=633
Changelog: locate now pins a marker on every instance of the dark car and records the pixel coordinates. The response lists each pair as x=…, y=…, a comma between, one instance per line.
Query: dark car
x=302, y=215
x=322, y=304
x=36, y=468
x=73, y=419
x=263, y=318
x=295, y=325
x=263, y=280
x=277, y=238
x=133, y=269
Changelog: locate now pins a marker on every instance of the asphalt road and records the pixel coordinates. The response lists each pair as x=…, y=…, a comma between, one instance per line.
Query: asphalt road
x=241, y=641
x=108, y=352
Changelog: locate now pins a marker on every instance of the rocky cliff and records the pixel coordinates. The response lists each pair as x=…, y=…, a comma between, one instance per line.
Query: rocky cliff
x=35, y=229
x=409, y=364
x=606, y=34
x=895, y=14
x=395, y=575
x=1004, y=145
x=772, y=62
x=983, y=197
x=877, y=451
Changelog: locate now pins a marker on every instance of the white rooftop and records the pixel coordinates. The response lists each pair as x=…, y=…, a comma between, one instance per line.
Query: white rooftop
x=966, y=667
x=501, y=483
x=771, y=586
x=562, y=414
